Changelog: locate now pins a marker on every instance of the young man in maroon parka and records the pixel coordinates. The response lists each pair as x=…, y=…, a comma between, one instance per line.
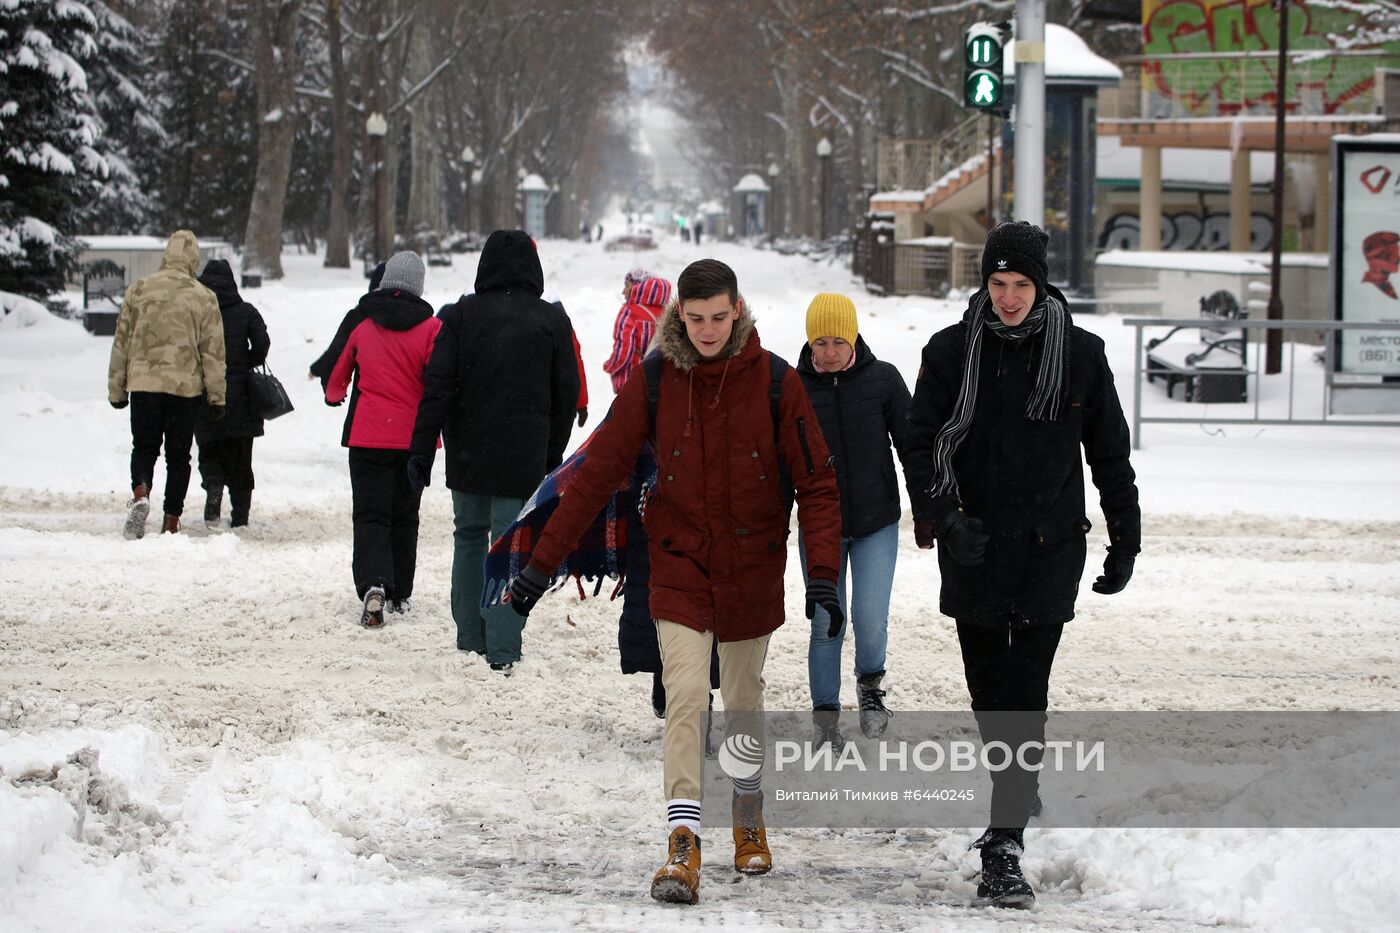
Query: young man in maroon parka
x=717, y=528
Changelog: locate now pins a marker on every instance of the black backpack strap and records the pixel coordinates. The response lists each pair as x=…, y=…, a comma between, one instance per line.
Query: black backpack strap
x=779, y=368
x=651, y=369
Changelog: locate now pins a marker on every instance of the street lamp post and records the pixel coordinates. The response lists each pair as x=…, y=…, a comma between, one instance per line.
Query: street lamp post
x=775, y=223
x=468, y=162
x=823, y=183
x=1273, y=339
x=377, y=127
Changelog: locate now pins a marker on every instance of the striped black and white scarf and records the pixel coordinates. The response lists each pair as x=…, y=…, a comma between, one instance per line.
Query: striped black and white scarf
x=1048, y=317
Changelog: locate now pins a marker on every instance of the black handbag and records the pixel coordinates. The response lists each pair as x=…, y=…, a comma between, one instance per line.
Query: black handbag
x=269, y=399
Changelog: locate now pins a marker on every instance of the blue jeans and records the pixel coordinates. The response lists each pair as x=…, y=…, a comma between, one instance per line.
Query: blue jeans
x=871, y=561
x=477, y=522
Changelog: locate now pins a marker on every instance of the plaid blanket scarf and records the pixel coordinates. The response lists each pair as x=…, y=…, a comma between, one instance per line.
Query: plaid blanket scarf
x=600, y=553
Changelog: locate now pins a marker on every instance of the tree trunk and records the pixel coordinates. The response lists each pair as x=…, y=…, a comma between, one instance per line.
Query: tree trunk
x=274, y=27
x=425, y=193
x=337, y=224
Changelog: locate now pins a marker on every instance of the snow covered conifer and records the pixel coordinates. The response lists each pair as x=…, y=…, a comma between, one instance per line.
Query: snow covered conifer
x=51, y=166
x=133, y=138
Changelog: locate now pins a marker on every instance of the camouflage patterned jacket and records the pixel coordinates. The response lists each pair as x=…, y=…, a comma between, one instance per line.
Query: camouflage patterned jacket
x=170, y=337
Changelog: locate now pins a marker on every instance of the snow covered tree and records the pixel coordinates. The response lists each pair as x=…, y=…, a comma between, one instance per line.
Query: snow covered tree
x=274, y=30
x=51, y=163
x=120, y=79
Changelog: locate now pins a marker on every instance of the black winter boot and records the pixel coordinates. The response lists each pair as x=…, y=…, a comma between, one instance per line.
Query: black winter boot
x=658, y=696
x=873, y=715
x=825, y=731
x=213, y=506
x=711, y=749
x=1002, y=883
x=240, y=501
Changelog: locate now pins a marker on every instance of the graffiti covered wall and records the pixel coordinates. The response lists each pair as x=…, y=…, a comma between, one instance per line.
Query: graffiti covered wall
x=1324, y=85
x=1186, y=230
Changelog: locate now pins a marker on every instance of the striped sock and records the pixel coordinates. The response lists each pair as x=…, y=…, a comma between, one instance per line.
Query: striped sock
x=681, y=812
x=753, y=785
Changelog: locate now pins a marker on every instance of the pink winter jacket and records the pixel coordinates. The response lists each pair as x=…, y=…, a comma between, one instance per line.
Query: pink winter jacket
x=387, y=354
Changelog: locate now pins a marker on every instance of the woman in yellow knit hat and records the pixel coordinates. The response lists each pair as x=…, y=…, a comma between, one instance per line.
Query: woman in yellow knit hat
x=860, y=403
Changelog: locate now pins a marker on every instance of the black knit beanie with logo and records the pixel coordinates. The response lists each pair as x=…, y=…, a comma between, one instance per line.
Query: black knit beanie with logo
x=1017, y=246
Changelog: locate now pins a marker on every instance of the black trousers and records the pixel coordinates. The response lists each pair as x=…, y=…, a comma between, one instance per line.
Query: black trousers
x=158, y=418
x=1008, y=678
x=386, y=521
x=227, y=461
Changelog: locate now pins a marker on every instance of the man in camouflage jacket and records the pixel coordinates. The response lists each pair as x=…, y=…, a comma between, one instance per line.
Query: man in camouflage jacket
x=167, y=361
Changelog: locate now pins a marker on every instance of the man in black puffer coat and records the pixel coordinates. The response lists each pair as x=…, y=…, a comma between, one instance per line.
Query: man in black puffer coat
x=1003, y=404
x=226, y=445
x=501, y=388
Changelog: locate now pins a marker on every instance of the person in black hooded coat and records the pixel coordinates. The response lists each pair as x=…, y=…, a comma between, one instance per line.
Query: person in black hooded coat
x=502, y=390
x=226, y=445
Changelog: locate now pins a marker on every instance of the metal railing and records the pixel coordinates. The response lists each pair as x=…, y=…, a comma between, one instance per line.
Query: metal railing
x=917, y=164
x=1253, y=412
x=1230, y=84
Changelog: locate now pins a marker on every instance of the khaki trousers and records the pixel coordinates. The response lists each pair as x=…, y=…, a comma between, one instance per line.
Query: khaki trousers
x=685, y=670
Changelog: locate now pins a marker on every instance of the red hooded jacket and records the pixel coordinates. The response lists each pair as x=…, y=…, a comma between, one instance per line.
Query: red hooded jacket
x=386, y=353
x=716, y=525
x=635, y=325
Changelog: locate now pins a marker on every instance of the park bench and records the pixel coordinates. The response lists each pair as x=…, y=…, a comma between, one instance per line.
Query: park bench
x=1214, y=367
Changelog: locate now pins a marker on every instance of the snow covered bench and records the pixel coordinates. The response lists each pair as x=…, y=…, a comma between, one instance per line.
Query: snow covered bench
x=1213, y=369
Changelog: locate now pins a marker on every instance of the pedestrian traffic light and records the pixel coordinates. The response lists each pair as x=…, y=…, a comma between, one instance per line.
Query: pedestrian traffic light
x=982, y=54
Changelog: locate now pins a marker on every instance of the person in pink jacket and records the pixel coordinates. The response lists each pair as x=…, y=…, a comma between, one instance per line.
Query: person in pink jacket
x=386, y=353
x=635, y=325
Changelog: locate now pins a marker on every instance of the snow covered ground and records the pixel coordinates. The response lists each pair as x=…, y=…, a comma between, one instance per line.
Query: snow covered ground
x=195, y=736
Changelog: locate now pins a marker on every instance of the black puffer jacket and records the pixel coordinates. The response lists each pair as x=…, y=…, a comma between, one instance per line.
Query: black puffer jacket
x=324, y=363
x=1024, y=479
x=861, y=410
x=502, y=383
x=245, y=347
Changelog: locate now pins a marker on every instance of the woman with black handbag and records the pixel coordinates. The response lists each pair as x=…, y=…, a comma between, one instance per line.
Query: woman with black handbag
x=226, y=445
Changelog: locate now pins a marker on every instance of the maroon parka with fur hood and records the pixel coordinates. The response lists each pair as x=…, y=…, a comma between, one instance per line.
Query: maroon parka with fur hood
x=717, y=526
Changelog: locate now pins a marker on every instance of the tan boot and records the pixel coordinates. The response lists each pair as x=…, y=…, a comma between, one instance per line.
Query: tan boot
x=678, y=881
x=171, y=525
x=751, y=855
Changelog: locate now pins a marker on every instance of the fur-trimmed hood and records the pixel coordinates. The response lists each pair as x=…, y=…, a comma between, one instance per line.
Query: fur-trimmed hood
x=675, y=346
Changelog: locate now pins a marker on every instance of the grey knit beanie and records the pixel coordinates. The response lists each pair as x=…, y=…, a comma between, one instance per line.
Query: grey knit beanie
x=403, y=272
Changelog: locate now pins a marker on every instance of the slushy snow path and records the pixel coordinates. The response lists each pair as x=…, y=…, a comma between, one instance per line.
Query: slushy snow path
x=194, y=734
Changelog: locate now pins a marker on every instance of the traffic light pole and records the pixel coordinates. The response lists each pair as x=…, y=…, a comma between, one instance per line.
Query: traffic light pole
x=1030, y=111
x=992, y=124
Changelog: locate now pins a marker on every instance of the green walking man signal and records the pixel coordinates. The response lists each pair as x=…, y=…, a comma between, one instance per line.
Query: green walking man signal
x=982, y=64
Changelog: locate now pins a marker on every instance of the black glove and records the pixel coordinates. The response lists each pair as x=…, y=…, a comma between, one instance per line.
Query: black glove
x=963, y=538
x=923, y=534
x=1117, y=571
x=582, y=416
x=119, y=405
x=526, y=590
x=216, y=414
x=822, y=592
x=330, y=404
x=420, y=471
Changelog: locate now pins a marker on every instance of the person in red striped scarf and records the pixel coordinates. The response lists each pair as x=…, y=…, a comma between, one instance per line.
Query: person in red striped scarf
x=635, y=325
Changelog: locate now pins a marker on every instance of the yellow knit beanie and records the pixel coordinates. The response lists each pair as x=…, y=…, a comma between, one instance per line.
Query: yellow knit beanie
x=831, y=315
